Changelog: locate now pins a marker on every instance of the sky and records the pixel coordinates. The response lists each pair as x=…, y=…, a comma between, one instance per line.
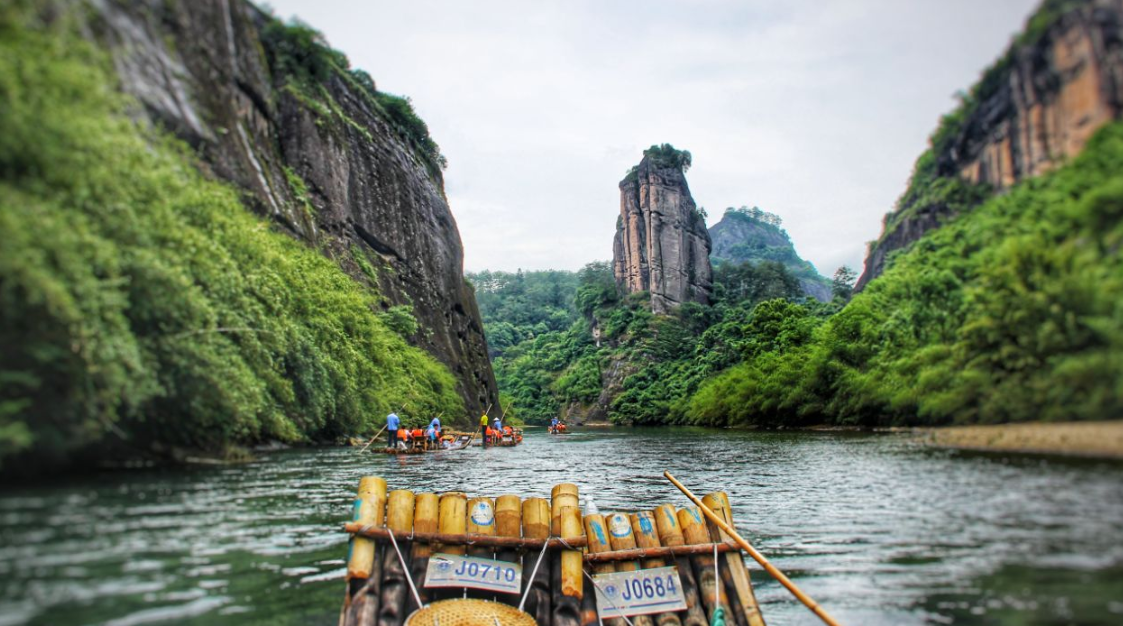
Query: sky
x=811, y=109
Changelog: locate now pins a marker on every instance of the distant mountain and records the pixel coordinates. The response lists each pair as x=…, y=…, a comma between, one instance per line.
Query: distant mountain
x=752, y=235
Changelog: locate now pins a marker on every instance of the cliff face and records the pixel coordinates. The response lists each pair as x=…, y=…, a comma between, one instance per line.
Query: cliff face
x=1040, y=105
x=751, y=236
x=661, y=243
x=331, y=170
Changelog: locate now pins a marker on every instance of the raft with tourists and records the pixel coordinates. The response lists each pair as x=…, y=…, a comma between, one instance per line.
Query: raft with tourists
x=429, y=559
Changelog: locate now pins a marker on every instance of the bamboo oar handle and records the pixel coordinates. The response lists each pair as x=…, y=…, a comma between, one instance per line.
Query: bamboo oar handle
x=373, y=438
x=768, y=567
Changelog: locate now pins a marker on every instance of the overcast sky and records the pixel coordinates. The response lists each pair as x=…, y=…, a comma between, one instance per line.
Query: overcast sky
x=812, y=109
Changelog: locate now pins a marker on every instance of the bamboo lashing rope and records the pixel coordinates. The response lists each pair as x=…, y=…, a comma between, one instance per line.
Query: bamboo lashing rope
x=757, y=556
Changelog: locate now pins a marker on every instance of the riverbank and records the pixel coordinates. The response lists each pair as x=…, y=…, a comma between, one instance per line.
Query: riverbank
x=1090, y=439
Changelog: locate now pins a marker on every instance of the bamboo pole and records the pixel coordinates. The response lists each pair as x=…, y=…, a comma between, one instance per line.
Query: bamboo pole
x=536, y=526
x=508, y=524
x=670, y=535
x=453, y=520
x=373, y=439
x=735, y=569
x=363, y=568
x=481, y=521
x=395, y=588
x=569, y=586
x=426, y=512
x=562, y=495
x=643, y=525
x=462, y=539
x=622, y=538
x=710, y=589
x=757, y=556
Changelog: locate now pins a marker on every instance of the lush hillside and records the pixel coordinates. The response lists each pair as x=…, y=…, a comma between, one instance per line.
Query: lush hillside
x=142, y=306
x=603, y=356
x=1011, y=312
x=747, y=235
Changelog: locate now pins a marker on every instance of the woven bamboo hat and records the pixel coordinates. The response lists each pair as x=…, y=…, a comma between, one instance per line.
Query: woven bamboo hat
x=469, y=612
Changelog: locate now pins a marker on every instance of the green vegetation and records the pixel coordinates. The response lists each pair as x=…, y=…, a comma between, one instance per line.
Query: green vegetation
x=141, y=304
x=663, y=155
x=1008, y=313
x=541, y=329
x=765, y=241
x=300, y=56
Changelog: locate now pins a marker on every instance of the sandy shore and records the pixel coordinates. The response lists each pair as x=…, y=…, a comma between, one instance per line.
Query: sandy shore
x=1091, y=439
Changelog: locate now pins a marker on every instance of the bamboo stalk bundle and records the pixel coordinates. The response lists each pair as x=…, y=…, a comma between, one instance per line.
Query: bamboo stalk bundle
x=710, y=588
x=569, y=586
x=536, y=525
x=622, y=538
x=596, y=532
x=734, y=566
x=395, y=589
x=643, y=525
x=454, y=521
x=363, y=568
x=508, y=524
x=663, y=552
x=670, y=535
x=426, y=511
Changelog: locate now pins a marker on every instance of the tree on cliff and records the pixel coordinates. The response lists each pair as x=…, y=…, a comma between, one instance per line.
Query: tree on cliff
x=667, y=155
x=842, y=285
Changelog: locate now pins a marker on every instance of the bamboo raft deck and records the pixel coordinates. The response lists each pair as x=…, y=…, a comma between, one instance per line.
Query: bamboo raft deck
x=547, y=550
x=416, y=446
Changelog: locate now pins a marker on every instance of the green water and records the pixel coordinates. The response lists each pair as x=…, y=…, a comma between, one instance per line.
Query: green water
x=878, y=530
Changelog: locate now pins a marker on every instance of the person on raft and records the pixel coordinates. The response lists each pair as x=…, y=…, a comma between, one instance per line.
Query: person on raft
x=483, y=428
x=497, y=429
x=392, y=424
x=436, y=426
x=553, y=424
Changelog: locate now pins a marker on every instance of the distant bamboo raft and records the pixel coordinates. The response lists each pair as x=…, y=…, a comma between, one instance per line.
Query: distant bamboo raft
x=560, y=552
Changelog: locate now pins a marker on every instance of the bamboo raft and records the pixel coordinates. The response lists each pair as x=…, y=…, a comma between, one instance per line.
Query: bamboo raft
x=417, y=445
x=547, y=550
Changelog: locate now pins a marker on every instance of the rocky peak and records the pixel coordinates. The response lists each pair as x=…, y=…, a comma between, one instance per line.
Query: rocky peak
x=662, y=245
x=747, y=235
x=1059, y=82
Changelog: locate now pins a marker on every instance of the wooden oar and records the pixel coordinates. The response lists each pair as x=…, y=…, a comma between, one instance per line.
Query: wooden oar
x=768, y=567
x=372, y=439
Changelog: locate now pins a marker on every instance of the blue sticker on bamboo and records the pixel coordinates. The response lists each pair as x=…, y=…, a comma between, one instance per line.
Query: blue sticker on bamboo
x=645, y=526
x=618, y=525
x=356, y=509
x=483, y=514
x=599, y=532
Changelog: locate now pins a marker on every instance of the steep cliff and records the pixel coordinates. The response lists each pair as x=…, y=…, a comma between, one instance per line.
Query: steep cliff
x=661, y=244
x=313, y=144
x=1059, y=82
x=750, y=235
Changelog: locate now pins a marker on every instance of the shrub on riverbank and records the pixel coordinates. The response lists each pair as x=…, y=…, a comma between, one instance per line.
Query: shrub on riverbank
x=142, y=302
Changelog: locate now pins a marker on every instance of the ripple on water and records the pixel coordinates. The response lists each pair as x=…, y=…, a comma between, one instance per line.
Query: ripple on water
x=879, y=530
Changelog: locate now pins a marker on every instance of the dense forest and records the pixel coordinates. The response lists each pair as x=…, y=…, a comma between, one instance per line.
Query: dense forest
x=143, y=305
x=562, y=339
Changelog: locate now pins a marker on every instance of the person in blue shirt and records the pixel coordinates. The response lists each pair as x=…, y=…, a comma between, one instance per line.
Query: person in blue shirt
x=392, y=424
x=436, y=426
x=554, y=424
x=431, y=433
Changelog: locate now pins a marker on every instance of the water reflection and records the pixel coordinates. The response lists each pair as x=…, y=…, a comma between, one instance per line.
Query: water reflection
x=880, y=531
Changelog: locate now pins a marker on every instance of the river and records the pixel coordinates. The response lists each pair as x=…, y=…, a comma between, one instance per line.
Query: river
x=879, y=530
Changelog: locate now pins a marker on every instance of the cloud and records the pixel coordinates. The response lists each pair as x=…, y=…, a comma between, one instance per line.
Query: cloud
x=814, y=110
